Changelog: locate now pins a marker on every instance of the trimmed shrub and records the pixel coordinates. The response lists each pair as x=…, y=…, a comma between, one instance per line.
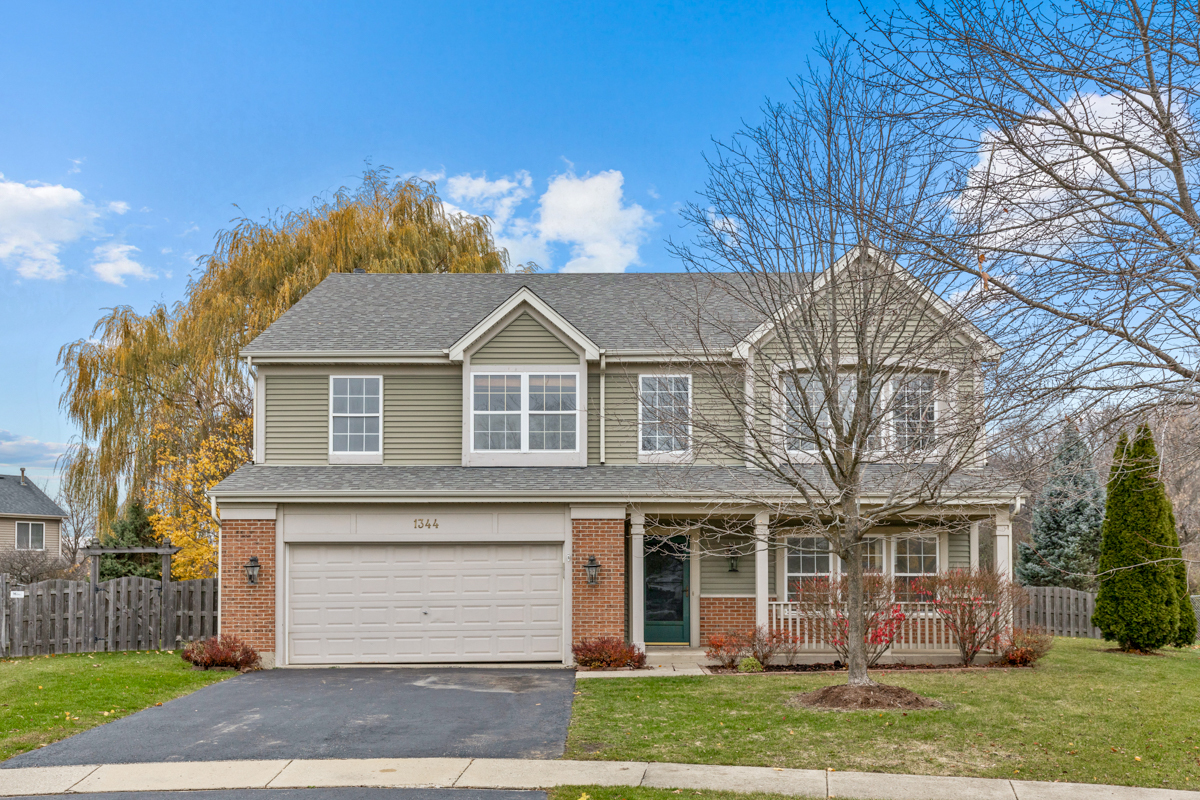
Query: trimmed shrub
x=750, y=664
x=726, y=648
x=764, y=644
x=1022, y=647
x=1138, y=604
x=608, y=652
x=222, y=651
x=975, y=605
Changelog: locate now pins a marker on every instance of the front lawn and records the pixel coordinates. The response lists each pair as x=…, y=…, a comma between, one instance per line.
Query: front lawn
x=1082, y=715
x=47, y=698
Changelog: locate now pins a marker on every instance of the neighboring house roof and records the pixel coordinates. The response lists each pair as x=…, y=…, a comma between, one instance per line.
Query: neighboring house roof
x=429, y=313
x=17, y=499
x=578, y=484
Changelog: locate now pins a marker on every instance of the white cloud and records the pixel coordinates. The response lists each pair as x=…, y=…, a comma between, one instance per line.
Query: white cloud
x=587, y=215
x=25, y=451
x=113, y=263
x=36, y=220
x=76, y=166
x=118, y=207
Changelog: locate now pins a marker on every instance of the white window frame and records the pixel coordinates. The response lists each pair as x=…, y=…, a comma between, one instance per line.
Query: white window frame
x=937, y=561
x=893, y=421
x=837, y=566
x=373, y=457
x=665, y=456
x=525, y=412
x=886, y=431
x=17, y=535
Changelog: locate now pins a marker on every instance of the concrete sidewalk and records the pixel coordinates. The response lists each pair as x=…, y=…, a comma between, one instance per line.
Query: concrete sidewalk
x=500, y=773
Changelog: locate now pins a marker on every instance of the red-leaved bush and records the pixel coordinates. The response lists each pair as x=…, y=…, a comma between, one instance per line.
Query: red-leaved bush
x=1022, y=647
x=823, y=604
x=726, y=648
x=975, y=605
x=222, y=651
x=608, y=652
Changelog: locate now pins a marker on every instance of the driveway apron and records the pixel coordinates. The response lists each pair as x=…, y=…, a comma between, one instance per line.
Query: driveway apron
x=338, y=713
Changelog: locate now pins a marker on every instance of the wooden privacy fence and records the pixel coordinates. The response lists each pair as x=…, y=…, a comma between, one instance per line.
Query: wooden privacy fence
x=1063, y=612
x=59, y=616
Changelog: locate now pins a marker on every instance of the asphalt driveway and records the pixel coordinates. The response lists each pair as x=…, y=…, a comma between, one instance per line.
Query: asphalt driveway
x=338, y=713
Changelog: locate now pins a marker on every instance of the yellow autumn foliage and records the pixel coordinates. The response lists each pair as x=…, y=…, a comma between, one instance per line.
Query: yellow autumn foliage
x=182, y=513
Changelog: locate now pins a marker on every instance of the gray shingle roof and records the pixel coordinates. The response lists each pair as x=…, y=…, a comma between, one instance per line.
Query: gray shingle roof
x=426, y=312
x=525, y=483
x=16, y=499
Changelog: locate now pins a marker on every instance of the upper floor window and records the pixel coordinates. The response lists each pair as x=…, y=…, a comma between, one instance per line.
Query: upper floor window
x=355, y=416
x=520, y=412
x=664, y=413
x=806, y=414
x=31, y=536
x=913, y=412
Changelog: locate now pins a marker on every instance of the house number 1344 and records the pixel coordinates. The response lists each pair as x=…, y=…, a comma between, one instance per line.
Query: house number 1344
x=425, y=523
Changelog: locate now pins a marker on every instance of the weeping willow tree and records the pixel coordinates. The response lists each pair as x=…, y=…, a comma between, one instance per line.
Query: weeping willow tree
x=148, y=390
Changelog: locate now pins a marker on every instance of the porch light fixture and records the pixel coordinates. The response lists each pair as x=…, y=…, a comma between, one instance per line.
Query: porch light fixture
x=252, y=570
x=733, y=557
x=592, y=568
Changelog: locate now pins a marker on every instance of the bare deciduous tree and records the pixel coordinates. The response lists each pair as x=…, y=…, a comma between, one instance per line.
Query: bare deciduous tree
x=79, y=526
x=1073, y=127
x=865, y=396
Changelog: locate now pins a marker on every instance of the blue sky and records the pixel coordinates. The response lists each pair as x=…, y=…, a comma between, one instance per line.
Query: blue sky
x=130, y=132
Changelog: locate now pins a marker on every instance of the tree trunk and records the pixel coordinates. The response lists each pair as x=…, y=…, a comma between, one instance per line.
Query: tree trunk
x=856, y=624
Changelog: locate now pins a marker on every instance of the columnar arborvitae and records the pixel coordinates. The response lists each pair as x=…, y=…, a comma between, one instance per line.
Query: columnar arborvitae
x=1067, y=518
x=1138, y=603
x=1185, y=636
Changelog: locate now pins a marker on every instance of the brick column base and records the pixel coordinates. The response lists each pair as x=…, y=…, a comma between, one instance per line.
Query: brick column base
x=598, y=610
x=248, y=612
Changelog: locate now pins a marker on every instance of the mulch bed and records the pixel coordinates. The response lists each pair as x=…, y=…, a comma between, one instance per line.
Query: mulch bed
x=876, y=697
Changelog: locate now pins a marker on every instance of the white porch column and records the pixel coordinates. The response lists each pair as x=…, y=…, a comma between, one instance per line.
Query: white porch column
x=974, y=545
x=637, y=579
x=694, y=594
x=760, y=568
x=1003, y=543
x=781, y=593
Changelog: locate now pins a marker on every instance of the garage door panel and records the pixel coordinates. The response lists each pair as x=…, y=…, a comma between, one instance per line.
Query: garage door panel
x=413, y=603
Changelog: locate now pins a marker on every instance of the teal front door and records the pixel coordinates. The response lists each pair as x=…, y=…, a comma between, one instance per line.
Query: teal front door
x=667, y=583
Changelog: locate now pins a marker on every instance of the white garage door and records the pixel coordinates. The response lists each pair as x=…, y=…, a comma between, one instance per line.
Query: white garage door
x=396, y=603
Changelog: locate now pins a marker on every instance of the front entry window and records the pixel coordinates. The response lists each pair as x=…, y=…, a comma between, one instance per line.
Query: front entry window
x=667, y=606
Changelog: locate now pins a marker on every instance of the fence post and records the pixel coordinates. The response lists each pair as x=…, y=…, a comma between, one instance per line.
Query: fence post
x=167, y=606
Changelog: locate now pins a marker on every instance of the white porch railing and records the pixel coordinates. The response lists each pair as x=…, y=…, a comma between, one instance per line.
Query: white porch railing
x=922, y=630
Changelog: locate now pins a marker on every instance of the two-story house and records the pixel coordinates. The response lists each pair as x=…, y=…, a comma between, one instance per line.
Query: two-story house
x=459, y=468
x=29, y=520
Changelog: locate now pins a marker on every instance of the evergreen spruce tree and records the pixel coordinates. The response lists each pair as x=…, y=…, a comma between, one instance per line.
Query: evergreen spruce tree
x=1067, y=518
x=1137, y=605
x=132, y=530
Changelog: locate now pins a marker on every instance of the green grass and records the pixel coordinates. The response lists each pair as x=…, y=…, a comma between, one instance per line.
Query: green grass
x=649, y=793
x=47, y=698
x=1083, y=714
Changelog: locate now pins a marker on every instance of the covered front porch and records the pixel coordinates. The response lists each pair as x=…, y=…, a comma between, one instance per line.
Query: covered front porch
x=683, y=588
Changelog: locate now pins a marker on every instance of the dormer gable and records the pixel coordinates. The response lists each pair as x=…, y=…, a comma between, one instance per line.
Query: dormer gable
x=522, y=314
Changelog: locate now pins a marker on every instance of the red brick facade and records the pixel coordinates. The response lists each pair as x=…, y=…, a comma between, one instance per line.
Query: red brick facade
x=598, y=610
x=248, y=612
x=725, y=614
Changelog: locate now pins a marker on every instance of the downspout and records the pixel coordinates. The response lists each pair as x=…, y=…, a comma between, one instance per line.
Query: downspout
x=602, y=367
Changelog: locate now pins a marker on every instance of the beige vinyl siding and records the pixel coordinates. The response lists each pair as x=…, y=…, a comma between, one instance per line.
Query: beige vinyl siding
x=717, y=581
x=525, y=341
x=296, y=428
x=422, y=417
x=593, y=418
x=620, y=412
x=959, y=554
x=8, y=533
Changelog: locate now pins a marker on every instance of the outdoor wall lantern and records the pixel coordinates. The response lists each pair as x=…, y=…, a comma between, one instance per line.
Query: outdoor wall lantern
x=592, y=568
x=252, y=570
x=733, y=559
